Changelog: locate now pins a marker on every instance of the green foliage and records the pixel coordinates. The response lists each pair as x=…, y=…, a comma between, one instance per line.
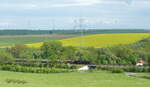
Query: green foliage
x=5, y=57
x=120, y=69
x=51, y=48
x=52, y=52
x=18, y=50
x=18, y=68
x=68, y=53
x=127, y=55
x=105, y=56
x=68, y=66
x=117, y=70
x=136, y=69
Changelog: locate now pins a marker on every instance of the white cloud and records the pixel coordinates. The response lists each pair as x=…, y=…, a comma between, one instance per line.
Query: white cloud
x=6, y=23
x=15, y=6
x=89, y=2
x=68, y=3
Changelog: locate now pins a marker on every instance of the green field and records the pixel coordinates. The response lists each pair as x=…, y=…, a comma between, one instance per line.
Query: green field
x=95, y=79
x=8, y=40
x=20, y=40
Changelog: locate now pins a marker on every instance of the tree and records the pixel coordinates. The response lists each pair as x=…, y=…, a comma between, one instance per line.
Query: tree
x=106, y=56
x=5, y=57
x=37, y=53
x=51, y=50
x=86, y=54
x=28, y=54
x=18, y=50
x=68, y=53
x=125, y=54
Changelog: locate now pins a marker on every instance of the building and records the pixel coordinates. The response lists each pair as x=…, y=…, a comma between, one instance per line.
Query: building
x=140, y=63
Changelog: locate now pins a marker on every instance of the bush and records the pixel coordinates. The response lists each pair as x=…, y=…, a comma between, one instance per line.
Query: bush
x=18, y=68
x=117, y=70
x=68, y=66
x=124, y=68
x=107, y=68
x=136, y=69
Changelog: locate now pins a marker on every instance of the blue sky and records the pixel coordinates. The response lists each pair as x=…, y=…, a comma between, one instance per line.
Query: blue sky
x=65, y=14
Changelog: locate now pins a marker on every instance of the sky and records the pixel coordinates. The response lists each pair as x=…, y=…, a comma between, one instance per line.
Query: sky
x=74, y=14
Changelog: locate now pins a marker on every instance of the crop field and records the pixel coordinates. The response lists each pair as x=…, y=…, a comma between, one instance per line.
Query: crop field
x=8, y=40
x=100, y=40
x=75, y=79
x=104, y=40
x=95, y=40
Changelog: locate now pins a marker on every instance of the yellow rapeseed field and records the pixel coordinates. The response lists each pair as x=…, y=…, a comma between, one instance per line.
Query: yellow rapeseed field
x=99, y=40
x=104, y=40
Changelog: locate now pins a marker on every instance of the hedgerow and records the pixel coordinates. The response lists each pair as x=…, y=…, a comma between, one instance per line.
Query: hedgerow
x=124, y=68
x=18, y=68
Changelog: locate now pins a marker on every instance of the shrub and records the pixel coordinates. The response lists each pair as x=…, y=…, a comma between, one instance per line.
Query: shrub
x=117, y=70
x=124, y=68
x=18, y=68
x=136, y=69
x=108, y=68
x=67, y=66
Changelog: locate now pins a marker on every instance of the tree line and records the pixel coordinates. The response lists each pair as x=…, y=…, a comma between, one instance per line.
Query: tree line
x=71, y=31
x=55, y=52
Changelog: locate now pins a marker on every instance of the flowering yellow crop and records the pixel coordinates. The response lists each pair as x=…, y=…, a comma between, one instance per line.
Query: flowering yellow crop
x=104, y=40
x=98, y=40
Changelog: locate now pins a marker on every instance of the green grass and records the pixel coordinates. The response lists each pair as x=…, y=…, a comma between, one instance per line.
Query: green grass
x=76, y=79
x=21, y=40
x=8, y=40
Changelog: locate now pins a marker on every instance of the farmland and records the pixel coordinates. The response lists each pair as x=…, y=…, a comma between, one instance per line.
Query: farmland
x=100, y=40
x=8, y=40
x=75, y=79
x=35, y=74
x=74, y=43
x=95, y=40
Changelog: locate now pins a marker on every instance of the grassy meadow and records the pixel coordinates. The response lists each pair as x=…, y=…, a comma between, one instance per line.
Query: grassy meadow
x=75, y=79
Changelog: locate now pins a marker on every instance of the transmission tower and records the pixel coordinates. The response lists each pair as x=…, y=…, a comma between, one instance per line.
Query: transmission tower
x=81, y=30
x=29, y=24
x=53, y=24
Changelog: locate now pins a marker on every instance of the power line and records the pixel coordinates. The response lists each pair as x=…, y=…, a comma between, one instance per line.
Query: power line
x=53, y=24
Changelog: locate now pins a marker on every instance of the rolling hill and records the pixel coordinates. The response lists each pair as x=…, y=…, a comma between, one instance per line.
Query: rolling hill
x=9, y=40
x=100, y=40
